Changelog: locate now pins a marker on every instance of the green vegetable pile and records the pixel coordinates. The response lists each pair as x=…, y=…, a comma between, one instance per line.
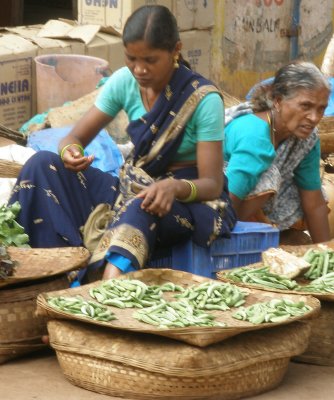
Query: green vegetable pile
x=190, y=308
x=79, y=306
x=324, y=284
x=262, y=276
x=322, y=262
x=130, y=293
x=275, y=310
x=12, y=233
x=213, y=296
x=178, y=314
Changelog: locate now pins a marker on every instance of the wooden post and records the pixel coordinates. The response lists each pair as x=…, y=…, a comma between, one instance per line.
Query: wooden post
x=11, y=12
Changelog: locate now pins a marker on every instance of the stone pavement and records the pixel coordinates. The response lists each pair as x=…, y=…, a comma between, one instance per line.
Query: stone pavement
x=39, y=377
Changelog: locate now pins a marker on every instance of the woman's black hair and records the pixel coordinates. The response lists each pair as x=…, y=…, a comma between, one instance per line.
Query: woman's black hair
x=156, y=25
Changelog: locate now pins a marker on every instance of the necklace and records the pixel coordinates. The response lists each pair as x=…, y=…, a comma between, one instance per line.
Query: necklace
x=270, y=119
x=147, y=101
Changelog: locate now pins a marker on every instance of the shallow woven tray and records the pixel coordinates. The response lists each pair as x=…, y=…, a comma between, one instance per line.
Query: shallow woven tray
x=35, y=264
x=18, y=321
x=138, y=366
x=296, y=250
x=200, y=336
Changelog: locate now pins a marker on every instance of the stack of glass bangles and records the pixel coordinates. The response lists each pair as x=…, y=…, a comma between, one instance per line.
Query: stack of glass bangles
x=193, y=191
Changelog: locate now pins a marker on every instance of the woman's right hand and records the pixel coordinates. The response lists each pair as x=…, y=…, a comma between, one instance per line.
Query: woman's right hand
x=74, y=160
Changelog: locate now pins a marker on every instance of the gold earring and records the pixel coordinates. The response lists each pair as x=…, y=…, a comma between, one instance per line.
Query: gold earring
x=176, y=62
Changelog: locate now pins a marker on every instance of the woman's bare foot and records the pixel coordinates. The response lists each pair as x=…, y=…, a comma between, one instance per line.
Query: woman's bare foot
x=111, y=272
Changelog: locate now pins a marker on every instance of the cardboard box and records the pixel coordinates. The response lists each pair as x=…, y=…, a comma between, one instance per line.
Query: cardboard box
x=190, y=14
x=113, y=13
x=194, y=14
x=20, y=45
x=17, y=95
x=197, y=50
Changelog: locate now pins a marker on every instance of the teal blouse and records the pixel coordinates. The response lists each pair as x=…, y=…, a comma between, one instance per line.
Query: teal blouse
x=121, y=91
x=249, y=152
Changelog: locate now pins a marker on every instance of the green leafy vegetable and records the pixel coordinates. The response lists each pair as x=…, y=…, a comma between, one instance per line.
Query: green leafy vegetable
x=11, y=232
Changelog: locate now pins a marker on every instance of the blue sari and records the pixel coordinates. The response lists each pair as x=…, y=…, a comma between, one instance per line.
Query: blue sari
x=56, y=202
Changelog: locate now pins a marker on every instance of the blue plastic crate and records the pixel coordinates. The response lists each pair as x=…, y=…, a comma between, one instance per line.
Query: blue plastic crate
x=248, y=240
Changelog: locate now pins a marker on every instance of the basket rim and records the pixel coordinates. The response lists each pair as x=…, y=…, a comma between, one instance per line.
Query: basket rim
x=292, y=249
x=200, y=336
x=33, y=267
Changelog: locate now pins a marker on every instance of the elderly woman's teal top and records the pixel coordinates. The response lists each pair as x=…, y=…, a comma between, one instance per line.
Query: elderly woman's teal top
x=249, y=152
x=205, y=125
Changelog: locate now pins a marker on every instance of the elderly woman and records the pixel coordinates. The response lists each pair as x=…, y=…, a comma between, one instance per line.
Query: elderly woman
x=272, y=151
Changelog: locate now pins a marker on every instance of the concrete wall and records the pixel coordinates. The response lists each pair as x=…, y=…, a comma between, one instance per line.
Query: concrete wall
x=251, y=39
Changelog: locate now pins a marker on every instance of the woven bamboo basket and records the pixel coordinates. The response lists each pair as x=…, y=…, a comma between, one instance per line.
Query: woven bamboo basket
x=321, y=346
x=38, y=271
x=21, y=329
x=11, y=351
x=137, y=366
x=9, y=169
x=38, y=263
x=195, y=335
x=320, y=350
x=13, y=135
x=326, y=134
x=18, y=320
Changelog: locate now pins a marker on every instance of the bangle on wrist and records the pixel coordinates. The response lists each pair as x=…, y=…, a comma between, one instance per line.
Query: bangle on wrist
x=193, y=191
x=69, y=145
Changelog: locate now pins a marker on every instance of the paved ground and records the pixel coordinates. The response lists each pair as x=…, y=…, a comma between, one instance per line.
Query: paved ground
x=39, y=377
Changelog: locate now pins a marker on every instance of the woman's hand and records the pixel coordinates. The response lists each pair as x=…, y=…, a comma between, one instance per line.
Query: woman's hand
x=84, y=131
x=159, y=197
x=74, y=160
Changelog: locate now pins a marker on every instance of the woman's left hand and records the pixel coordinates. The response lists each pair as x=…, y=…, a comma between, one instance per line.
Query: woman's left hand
x=158, y=197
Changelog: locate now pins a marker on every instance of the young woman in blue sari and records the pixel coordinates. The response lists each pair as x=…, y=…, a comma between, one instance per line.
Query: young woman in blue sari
x=170, y=188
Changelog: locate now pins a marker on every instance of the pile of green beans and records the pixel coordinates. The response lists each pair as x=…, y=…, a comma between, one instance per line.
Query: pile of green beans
x=322, y=262
x=324, y=284
x=275, y=310
x=262, y=276
x=213, y=296
x=80, y=306
x=178, y=314
x=130, y=293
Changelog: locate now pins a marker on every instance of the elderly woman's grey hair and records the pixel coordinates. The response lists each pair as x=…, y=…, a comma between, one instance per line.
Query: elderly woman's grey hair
x=289, y=79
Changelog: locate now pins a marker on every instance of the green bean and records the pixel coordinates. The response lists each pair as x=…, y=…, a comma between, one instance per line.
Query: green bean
x=175, y=314
x=213, y=295
x=275, y=310
x=80, y=306
x=321, y=261
x=261, y=276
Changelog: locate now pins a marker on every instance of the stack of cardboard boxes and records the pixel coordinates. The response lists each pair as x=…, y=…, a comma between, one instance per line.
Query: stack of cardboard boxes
x=195, y=20
x=96, y=33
